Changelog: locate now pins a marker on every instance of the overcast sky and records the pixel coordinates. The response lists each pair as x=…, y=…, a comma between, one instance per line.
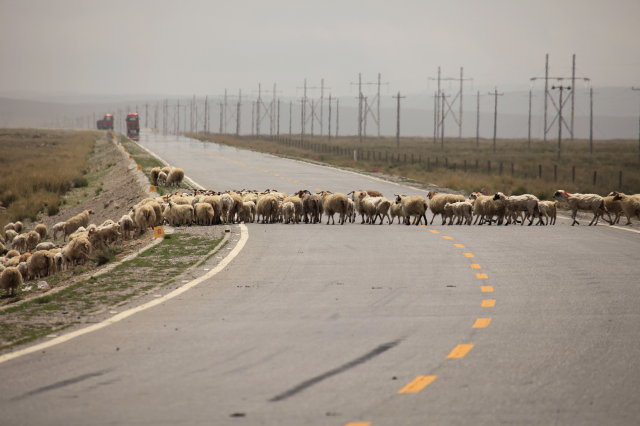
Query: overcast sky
x=201, y=47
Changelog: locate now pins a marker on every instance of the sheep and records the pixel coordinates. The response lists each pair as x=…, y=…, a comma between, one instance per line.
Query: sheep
x=41, y=264
x=590, y=202
x=166, y=170
x=24, y=270
x=20, y=243
x=58, y=261
x=351, y=211
x=127, y=227
x=81, y=219
x=234, y=212
x=154, y=175
x=162, y=179
x=415, y=206
x=298, y=207
x=77, y=251
x=3, y=248
x=9, y=226
x=267, y=208
x=17, y=226
x=203, y=213
x=288, y=212
x=10, y=234
x=382, y=210
x=12, y=253
x=485, y=208
x=630, y=205
x=368, y=206
x=311, y=206
x=519, y=203
x=216, y=203
x=228, y=205
x=104, y=235
x=247, y=212
x=144, y=217
x=334, y=203
x=613, y=206
x=33, y=238
x=41, y=229
x=547, y=209
x=45, y=246
x=437, y=202
x=460, y=210
x=395, y=211
x=58, y=228
x=178, y=214
x=10, y=280
x=174, y=178
x=357, y=197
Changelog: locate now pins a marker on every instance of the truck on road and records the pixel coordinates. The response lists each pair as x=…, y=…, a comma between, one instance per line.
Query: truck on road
x=133, y=126
x=106, y=123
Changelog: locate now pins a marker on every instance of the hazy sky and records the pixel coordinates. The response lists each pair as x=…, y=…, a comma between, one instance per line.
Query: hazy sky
x=202, y=47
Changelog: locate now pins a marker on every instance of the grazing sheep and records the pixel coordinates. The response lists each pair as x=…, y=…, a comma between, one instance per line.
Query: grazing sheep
x=127, y=227
x=437, y=202
x=547, y=209
x=41, y=264
x=10, y=234
x=41, y=229
x=77, y=251
x=216, y=203
x=334, y=203
x=81, y=219
x=166, y=170
x=17, y=226
x=24, y=270
x=144, y=217
x=10, y=280
x=20, y=243
x=162, y=179
x=178, y=214
x=154, y=175
x=589, y=202
x=288, y=212
x=415, y=206
x=45, y=246
x=103, y=235
x=33, y=238
x=12, y=253
x=58, y=228
x=174, y=178
x=58, y=261
x=203, y=213
x=9, y=226
x=630, y=205
x=267, y=208
x=515, y=204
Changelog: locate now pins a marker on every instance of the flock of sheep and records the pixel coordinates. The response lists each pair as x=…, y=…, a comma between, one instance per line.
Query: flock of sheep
x=27, y=255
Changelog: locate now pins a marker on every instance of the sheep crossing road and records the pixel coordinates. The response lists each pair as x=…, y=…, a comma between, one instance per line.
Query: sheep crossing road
x=332, y=325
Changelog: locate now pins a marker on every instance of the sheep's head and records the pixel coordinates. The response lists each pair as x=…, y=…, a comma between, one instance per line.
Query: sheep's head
x=499, y=196
x=618, y=196
x=399, y=198
x=561, y=193
x=430, y=194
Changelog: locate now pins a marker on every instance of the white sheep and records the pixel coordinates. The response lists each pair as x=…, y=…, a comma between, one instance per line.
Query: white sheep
x=174, y=178
x=395, y=211
x=144, y=217
x=48, y=245
x=515, y=204
x=589, y=202
x=162, y=179
x=267, y=208
x=20, y=243
x=203, y=213
x=10, y=234
x=41, y=229
x=127, y=227
x=549, y=210
x=178, y=214
x=81, y=219
x=10, y=280
x=288, y=212
x=630, y=205
x=461, y=211
x=415, y=206
x=437, y=202
x=56, y=229
x=334, y=203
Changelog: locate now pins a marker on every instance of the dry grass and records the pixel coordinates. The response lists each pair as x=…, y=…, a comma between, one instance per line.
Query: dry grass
x=512, y=168
x=38, y=167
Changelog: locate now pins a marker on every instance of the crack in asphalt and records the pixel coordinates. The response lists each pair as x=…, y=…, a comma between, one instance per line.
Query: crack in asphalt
x=351, y=364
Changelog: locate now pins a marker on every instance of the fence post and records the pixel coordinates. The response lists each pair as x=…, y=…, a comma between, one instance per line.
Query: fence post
x=405, y=158
x=555, y=172
x=355, y=155
x=428, y=164
x=446, y=163
x=465, y=166
x=595, y=177
x=500, y=169
x=573, y=174
x=620, y=180
x=437, y=161
x=412, y=158
x=512, y=169
x=489, y=167
x=539, y=171
x=477, y=165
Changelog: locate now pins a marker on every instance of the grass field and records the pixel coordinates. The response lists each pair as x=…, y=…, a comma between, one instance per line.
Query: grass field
x=461, y=165
x=38, y=168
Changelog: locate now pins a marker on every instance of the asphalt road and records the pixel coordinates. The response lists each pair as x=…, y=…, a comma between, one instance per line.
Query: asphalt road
x=360, y=324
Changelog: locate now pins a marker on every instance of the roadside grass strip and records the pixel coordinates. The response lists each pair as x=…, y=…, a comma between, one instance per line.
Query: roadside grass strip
x=83, y=301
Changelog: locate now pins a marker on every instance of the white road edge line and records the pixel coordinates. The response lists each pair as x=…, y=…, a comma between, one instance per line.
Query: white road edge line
x=244, y=236
x=608, y=226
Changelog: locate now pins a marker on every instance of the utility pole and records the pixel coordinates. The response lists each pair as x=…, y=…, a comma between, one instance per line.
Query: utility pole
x=436, y=100
x=397, y=98
x=478, y=120
x=495, y=115
x=329, y=127
x=337, y=115
x=561, y=103
x=205, y=127
x=290, y=115
x=146, y=115
x=638, y=89
x=573, y=92
x=440, y=112
x=238, y=109
x=365, y=109
x=529, y=123
x=591, y=122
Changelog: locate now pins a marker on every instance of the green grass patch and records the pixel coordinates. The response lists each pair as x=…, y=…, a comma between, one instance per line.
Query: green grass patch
x=150, y=271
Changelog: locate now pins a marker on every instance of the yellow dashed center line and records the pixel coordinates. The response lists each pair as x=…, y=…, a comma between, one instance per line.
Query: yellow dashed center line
x=482, y=276
x=460, y=351
x=468, y=255
x=475, y=266
x=459, y=245
x=488, y=303
x=433, y=231
x=358, y=424
x=481, y=323
x=486, y=289
x=417, y=384
x=447, y=238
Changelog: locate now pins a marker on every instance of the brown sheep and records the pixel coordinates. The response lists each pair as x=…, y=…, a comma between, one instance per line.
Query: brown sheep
x=10, y=280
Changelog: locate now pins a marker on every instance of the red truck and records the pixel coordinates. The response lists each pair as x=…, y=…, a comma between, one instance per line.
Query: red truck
x=133, y=126
x=106, y=123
